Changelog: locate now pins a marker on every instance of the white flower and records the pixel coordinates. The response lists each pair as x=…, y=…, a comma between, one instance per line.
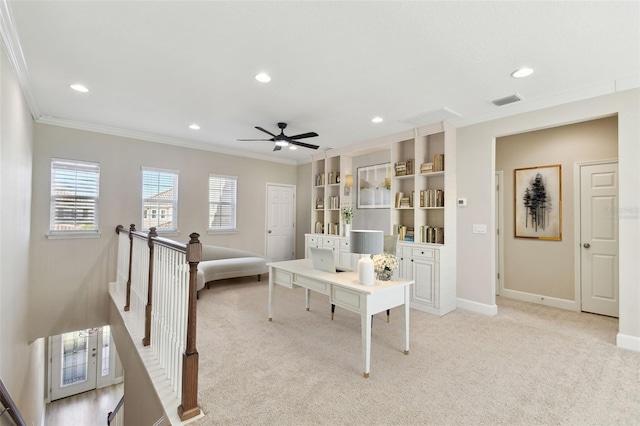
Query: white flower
x=385, y=261
x=347, y=213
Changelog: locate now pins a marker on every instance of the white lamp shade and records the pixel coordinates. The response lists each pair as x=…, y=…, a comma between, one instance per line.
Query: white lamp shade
x=366, y=241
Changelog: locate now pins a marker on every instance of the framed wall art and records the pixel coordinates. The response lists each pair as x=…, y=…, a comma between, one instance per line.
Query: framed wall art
x=374, y=186
x=538, y=202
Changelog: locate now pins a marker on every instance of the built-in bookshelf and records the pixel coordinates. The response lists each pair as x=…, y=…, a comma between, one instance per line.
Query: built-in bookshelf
x=330, y=174
x=422, y=212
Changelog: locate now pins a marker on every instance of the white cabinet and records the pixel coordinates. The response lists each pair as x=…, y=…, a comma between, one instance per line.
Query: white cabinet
x=422, y=263
x=342, y=255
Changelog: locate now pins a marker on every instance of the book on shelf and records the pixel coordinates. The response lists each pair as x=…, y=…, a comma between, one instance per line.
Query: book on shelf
x=432, y=198
x=438, y=162
x=399, y=196
x=334, y=202
x=319, y=203
x=432, y=235
x=318, y=228
x=405, y=168
x=426, y=168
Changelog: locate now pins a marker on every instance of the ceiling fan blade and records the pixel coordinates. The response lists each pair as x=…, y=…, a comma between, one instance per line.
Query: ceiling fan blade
x=304, y=135
x=271, y=140
x=266, y=131
x=306, y=145
x=277, y=148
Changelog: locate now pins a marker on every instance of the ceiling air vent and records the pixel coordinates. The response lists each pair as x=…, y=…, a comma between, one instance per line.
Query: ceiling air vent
x=508, y=100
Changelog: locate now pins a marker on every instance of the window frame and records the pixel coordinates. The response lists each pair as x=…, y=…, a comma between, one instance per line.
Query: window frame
x=171, y=203
x=57, y=184
x=233, y=228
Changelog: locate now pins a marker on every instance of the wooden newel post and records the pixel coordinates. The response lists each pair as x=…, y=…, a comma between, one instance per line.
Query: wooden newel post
x=146, y=341
x=189, y=407
x=132, y=229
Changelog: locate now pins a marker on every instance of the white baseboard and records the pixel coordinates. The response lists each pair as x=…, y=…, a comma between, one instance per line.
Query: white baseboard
x=570, y=305
x=628, y=342
x=480, y=308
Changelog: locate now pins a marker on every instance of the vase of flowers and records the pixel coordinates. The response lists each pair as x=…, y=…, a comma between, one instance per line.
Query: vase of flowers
x=384, y=265
x=347, y=215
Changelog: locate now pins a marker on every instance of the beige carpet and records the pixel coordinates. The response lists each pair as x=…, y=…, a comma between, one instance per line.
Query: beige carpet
x=528, y=365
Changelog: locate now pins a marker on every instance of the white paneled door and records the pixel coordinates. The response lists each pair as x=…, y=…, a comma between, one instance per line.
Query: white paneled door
x=599, y=217
x=280, y=222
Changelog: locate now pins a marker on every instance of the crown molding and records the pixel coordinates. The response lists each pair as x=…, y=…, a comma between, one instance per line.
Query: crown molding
x=132, y=134
x=11, y=43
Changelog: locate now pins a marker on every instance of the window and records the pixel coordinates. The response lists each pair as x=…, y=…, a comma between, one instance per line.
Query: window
x=222, y=202
x=74, y=196
x=160, y=193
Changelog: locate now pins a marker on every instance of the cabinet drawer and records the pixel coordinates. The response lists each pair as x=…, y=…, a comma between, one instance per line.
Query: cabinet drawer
x=283, y=278
x=344, y=245
x=424, y=253
x=312, y=284
x=313, y=240
x=345, y=298
x=329, y=243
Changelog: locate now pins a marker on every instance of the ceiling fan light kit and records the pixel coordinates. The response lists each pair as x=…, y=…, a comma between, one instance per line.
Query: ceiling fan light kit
x=284, y=140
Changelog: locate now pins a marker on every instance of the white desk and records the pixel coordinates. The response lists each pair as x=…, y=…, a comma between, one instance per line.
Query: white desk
x=344, y=291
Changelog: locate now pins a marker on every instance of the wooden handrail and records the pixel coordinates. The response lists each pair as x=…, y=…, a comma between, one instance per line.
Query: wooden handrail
x=112, y=414
x=10, y=406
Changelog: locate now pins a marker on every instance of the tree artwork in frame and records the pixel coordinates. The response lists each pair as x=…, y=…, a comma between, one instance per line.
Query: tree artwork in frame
x=538, y=202
x=374, y=186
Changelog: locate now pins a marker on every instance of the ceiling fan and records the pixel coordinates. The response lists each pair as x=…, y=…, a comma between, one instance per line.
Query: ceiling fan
x=284, y=140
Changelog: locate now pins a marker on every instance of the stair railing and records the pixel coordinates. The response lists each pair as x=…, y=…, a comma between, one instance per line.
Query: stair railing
x=161, y=294
x=9, y=407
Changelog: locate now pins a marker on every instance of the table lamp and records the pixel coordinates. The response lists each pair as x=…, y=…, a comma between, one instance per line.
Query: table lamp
x=366, y=243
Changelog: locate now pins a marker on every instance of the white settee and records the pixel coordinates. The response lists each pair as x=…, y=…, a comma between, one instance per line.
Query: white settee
x=220, y=263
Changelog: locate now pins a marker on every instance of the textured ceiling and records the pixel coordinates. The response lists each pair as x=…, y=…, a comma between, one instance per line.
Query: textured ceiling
x=153, y=68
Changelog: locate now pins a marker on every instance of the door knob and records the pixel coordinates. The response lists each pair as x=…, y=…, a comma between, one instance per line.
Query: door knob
x=586, y=245
x=269, y=230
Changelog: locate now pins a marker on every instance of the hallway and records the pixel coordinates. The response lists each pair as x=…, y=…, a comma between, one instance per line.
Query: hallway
x=85, y=409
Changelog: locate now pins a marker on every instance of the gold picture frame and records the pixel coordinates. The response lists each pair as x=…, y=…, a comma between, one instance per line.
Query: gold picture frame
x=538, y=202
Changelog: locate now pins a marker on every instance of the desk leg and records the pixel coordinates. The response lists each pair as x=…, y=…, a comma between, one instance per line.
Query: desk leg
x=366, y=341
x=271, y=291
x=307, y=298
x=407, y=296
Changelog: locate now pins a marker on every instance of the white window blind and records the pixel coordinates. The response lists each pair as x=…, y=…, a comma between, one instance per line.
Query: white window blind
x=75, y=186
x=159, y=194
x=222, y=202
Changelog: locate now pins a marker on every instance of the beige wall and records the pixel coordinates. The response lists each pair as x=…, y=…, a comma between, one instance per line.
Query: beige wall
x=476, y=168
x=21, y=362
x=70, y=276
x=546, y=268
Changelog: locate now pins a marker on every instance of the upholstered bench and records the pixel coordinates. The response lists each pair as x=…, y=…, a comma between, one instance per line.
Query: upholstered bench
x=220, y=263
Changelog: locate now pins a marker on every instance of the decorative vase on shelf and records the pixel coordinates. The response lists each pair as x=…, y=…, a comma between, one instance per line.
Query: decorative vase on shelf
x=347, y=229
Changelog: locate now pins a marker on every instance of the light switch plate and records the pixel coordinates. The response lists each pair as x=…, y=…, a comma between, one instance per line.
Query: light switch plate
x=479, y=228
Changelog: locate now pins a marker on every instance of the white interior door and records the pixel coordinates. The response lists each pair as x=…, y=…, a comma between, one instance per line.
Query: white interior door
x=280, y=222
x=82, y=361
x=499, y=206
x=599, y=238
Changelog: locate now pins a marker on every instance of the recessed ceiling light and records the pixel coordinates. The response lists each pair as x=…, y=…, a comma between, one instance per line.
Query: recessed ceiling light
x=376, y=120
x=263, y=77
x=194, y=127
x=522, y=72
x=79, y=88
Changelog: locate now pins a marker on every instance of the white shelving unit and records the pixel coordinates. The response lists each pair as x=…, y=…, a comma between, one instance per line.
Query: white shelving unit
x=425, y=220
